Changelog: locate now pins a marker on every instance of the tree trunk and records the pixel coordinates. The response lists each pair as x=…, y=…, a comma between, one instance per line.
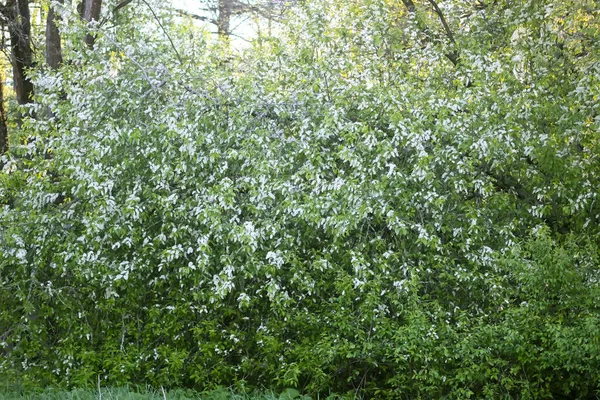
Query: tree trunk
x=53, y=42
x=224, y=18
x=3, y=127
x=91, y=12
x=19, y=27
x=80, y=7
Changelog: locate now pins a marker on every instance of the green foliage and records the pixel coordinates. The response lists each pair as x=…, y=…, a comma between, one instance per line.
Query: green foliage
x=129, y=394
x=339, y=210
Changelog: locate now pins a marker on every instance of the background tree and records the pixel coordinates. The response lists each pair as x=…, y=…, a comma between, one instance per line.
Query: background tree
x=17, y=17
x=91, y=12
x=53, y=39
x=3, y=126
x=223, y=13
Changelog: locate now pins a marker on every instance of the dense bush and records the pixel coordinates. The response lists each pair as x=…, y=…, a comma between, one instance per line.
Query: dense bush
x=342, y=209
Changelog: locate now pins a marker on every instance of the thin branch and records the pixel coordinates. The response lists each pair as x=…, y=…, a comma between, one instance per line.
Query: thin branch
x=140, y=67
x=412, y=9
x=241, y=23
x=165, y=31
x=126, y=2
x=238, y=36
x=443, y=19
x=453, y=55
x=115, y=9
x=184, y=13
x=410, y=6
x=99, y=389
x=121, y=5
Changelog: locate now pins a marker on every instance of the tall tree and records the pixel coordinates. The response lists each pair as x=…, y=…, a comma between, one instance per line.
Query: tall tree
x=91, y=12
x=223, y=11
x=53, y=40
x=225, y=8
x=18, y=18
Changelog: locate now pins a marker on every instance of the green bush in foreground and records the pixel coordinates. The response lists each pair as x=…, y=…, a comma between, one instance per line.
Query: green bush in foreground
x=128, y=394
x=345, y=209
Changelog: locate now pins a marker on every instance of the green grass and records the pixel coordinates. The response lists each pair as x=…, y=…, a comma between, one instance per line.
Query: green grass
x=130, y=394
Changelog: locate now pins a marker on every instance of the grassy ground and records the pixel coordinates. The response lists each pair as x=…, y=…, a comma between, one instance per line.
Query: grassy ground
x=129, y=394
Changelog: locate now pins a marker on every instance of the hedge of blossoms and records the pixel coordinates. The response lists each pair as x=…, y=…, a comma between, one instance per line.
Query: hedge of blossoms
x=362, y=205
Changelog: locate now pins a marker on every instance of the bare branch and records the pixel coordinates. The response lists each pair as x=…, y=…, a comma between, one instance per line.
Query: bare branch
x=412, y=9
x=452, y=56
x=410, y=6
x=184, y=13
x=443, y=20
x=121, y=5
x=165, y=31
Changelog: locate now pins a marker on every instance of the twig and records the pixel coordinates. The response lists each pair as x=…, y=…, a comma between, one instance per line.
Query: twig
x=184, y=13
x=452, y=56
x=121, y=4
x=443, y=19
x=165, y=31
x=115, y=9
x=412, y=9
x=141, y=68
x=126, y=2
x=99, y=391
x=123, y=333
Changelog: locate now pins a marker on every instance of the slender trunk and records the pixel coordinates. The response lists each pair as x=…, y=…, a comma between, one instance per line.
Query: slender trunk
x=91, y=12
x=224, y=18
x=21, y=55
x=3, y=127
x=53, y=41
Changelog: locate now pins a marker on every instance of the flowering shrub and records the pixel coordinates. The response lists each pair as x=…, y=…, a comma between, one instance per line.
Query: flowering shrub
x=340, y=209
